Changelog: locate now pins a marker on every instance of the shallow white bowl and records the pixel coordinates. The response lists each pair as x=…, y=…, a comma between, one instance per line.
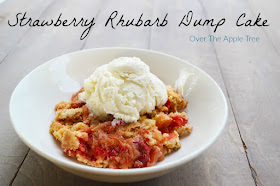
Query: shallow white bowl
x=33, y=100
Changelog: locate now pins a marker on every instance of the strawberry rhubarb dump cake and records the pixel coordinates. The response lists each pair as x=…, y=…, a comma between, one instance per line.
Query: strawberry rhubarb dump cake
x=124, y=117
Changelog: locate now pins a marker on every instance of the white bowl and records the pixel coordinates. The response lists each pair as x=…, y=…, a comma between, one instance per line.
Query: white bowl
x=33, y=100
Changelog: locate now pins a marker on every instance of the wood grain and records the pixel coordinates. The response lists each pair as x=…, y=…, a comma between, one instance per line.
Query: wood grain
x=38, y=46
x=203, y=55
x=135, y=37
x=216, y=165
x=12, y=149
x=270, y=12
x=251, y=72
x=247, y=73
x=10, y=36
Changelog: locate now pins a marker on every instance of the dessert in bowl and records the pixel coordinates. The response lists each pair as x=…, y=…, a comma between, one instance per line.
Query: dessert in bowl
x=123, y=117
x=61, y=77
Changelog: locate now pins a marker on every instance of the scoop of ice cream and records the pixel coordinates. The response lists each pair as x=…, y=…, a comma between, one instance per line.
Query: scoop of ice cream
x=124, y=88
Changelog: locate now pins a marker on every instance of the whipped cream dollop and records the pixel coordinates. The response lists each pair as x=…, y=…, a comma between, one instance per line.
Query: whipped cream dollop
x=124, y=88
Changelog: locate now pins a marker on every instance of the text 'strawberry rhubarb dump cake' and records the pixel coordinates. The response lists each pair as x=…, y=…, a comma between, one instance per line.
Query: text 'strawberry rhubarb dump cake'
x=123, y=117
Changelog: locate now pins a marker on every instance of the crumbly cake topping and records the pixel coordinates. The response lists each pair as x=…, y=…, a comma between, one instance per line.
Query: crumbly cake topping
x=119, y=145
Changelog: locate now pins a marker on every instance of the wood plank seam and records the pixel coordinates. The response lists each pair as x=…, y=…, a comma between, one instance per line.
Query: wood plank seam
x=269, y=39
x=8, y=53
x=25, y=33
x=150, y=29
x=3, y=61
x=90, y=31
x=253, y=171
x=83, y=45
x=149, y=48
x=19, y=167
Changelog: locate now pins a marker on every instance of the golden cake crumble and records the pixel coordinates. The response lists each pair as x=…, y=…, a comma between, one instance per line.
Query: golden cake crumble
x=118, y=145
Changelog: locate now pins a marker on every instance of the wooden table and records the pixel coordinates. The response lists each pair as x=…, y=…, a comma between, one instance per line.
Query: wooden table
x=247, y=152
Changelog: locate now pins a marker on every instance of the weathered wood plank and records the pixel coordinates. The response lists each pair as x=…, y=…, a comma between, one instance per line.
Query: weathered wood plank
x=38, y=171
x=232, y=167
x=216, y=165
x=99, y=37
x=9, y=36
x=135, y=37
x=38, y=46
x=268, y=11
x=251, y=72
x=12, y=149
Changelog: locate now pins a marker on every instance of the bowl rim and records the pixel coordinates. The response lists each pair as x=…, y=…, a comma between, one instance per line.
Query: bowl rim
x=122, y=172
